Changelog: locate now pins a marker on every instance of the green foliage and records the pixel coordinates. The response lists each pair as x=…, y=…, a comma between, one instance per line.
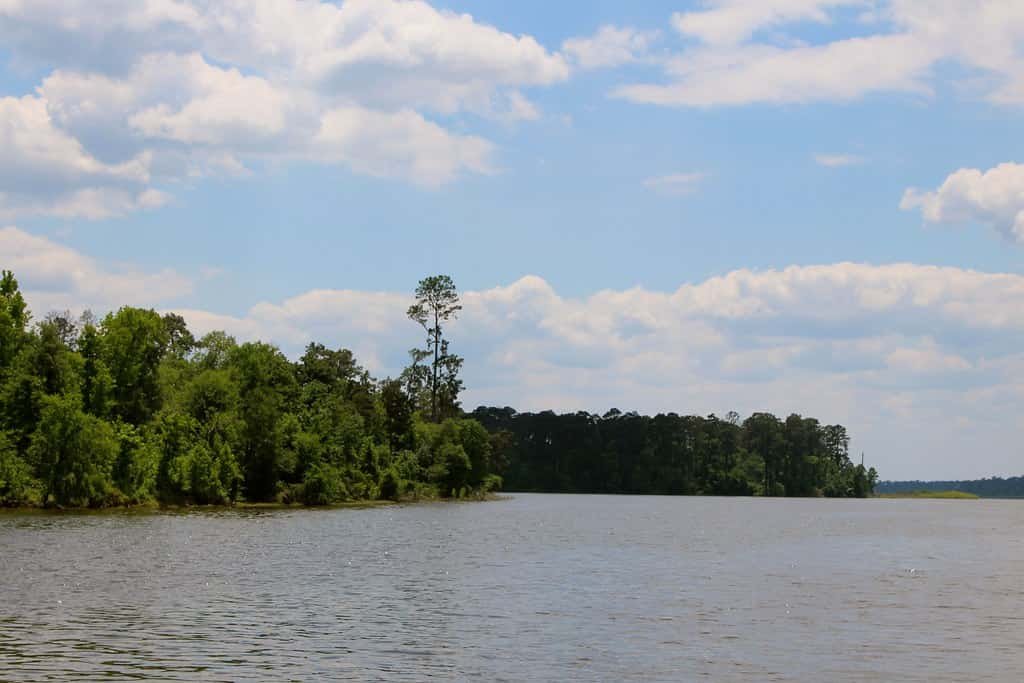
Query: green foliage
x=476, y=444
x=398, y=410
x=214, y=473
x=437, y=386
x=74, y=454
x=213, y=351
x=136, y=466
x=324, y=485
x=391, y=485
x=14, y=317
x=134, y=342
x=670, y=454
x=97, y=380
x=17, y=486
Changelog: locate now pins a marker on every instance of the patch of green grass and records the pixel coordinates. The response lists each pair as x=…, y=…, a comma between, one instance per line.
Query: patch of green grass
x=952, y=495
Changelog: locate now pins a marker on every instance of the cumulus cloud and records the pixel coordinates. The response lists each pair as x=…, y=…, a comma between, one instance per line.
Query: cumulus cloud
x=844, y=319
x=56, y=277
x=749, y=73
x=398, y=144
x=732, y=21
x=141, y=95
x=750, y=51
x=311, y=40
x=611, y=46
x=994, y=197
x=46, y=171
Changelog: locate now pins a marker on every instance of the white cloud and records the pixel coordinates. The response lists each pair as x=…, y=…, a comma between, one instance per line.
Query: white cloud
x=402, y=143
x=56, y=277
x=732, y=21
x=219, y=104
x=751, y=51
x=994, y=197
x=144, y=94
x=611, y=46
x=745, y=74
x=425, y=57
x=46, y=171
x=926, y=359
x=678, y=184
x=520, y=108
x=311, y=40
x=837, y=160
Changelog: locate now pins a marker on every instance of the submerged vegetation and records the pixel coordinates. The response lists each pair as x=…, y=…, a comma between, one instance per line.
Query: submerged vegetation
x=134, y=409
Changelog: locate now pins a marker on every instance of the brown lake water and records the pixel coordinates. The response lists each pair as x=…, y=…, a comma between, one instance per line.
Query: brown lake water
x=534, y=588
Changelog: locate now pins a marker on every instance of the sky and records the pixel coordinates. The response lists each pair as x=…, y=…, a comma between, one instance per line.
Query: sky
x=806, y=206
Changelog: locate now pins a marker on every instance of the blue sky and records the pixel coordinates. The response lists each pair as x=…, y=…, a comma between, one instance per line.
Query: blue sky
x=785, y=205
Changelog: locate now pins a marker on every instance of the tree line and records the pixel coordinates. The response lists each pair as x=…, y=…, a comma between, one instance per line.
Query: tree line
x=673, y=454
x=993, y=487
x=133, y=408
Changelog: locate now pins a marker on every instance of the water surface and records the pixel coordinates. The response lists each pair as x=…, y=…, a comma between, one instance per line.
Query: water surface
x=535, y=588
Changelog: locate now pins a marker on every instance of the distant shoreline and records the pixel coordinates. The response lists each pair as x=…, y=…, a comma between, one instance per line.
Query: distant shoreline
x=946, y=495
x=991, y=487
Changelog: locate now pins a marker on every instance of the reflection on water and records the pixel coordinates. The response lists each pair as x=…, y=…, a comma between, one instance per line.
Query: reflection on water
x=540, y=587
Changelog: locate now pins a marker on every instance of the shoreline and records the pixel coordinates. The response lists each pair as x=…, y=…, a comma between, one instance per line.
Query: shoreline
x=243, y=506
x=931, y=495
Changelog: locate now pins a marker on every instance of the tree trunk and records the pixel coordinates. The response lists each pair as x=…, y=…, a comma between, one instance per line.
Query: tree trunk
x=433, y=383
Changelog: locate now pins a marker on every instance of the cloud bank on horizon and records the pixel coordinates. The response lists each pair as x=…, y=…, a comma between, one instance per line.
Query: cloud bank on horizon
x=116, y=111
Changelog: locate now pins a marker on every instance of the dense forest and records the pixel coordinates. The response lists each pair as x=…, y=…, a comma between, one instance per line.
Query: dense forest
x=673, y=454
x=132, y=408
x=995, y=487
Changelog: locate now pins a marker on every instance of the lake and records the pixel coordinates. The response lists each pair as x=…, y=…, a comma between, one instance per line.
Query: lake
x=533, y=588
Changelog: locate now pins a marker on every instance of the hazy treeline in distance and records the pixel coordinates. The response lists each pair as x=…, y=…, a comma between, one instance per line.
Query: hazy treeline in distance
x=994, y=487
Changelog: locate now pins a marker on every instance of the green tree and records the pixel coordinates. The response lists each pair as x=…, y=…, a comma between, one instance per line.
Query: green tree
x=437, y=302
x=97, y=380
x=14, y=318
x=180, y=342
x=213, y=351
x=762, y=434
x=398, y=411
x=17, y=485
x=74, y=454
x=134, y=343
x=136, y=465
x=267, y=390
x=476, y=443
x=43, y=367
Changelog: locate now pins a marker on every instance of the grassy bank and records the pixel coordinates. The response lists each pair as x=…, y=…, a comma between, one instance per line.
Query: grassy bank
x=951, y=495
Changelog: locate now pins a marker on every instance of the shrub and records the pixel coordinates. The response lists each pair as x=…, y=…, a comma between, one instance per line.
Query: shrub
x=390, y=485
x=323, y=485
x=17, y=486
